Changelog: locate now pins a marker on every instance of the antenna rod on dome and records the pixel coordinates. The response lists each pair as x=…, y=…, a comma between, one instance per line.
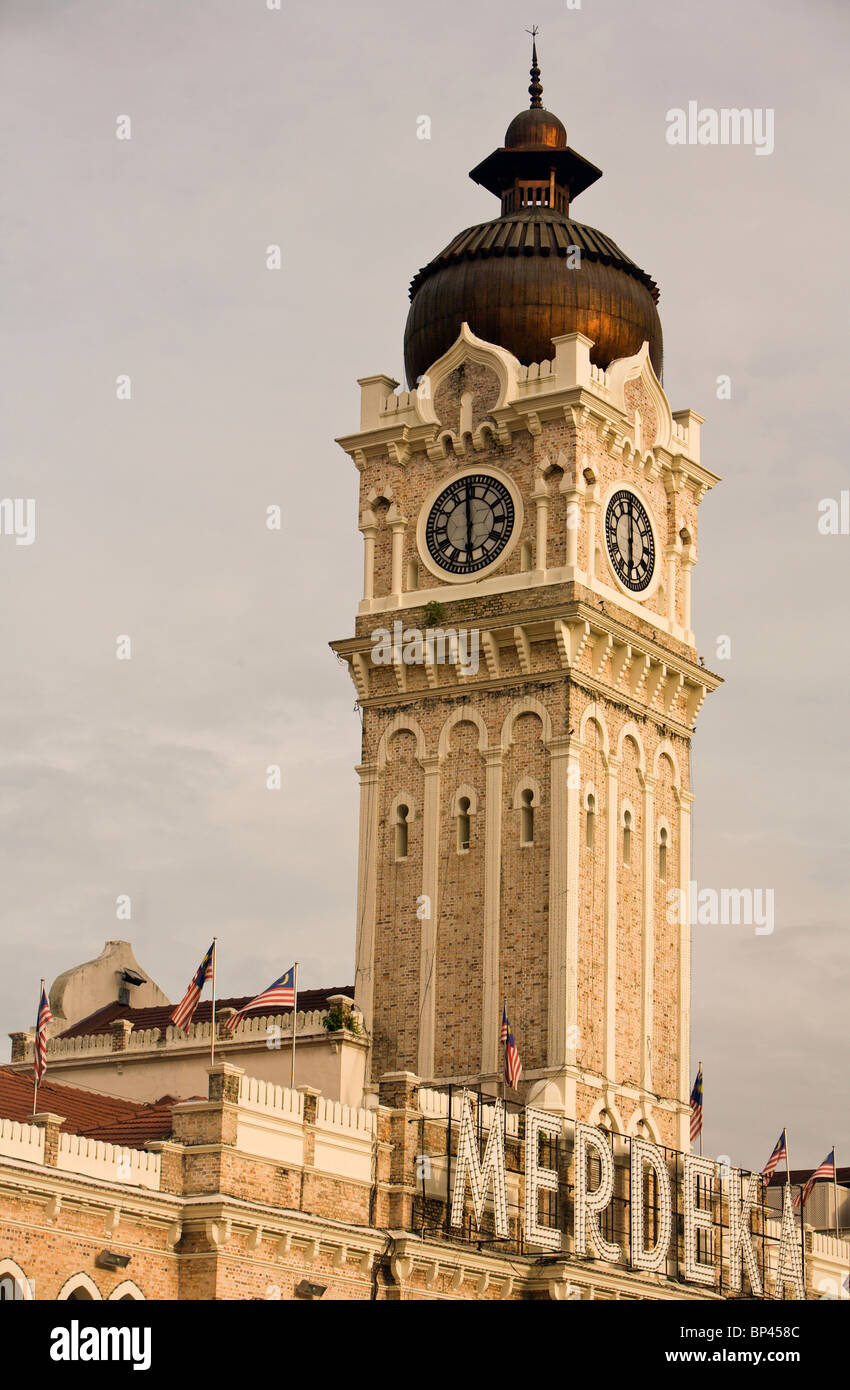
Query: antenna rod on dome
x=535, y=90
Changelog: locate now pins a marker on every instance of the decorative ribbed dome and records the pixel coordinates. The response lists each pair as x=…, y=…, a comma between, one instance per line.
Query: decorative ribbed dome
x=532, y=274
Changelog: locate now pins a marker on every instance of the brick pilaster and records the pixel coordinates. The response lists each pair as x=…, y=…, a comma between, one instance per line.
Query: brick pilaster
x=51, y=1124
x=399, y=1095
x=171, y=1164
x=20, y=1043
x=224, y=1079
x=399, y=1090
x=121, y=1030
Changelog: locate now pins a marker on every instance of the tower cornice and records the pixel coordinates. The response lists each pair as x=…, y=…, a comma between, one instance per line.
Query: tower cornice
x=600, y=653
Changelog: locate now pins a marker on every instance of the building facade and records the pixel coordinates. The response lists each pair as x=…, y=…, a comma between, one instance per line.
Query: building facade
x=529, y=684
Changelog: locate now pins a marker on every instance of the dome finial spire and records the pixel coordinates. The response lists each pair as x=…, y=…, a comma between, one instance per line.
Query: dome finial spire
x=535, y=90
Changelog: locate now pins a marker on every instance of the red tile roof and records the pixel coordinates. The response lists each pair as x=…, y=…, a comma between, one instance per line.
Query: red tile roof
x=159, y=1016
x=90, y=1113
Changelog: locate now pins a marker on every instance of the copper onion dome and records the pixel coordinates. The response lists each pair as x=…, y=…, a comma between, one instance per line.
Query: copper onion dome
x=517, y=280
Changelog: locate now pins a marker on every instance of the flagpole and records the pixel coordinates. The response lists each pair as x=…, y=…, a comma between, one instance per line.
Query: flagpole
x=505, y=1057
x=835, y=1189
x=802, y=1212
x=35, y=1054
x=212, y=1024
x=702, y=1105
x=294, y=1022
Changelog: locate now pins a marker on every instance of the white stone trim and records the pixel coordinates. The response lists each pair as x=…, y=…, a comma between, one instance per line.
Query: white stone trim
x=612, y=862
x=529, y=704
x=402, y=799
x=492, y=908
x=642, y=1115
x=79, y=1281
x=471, y=795
x=400, y=721
x=665, y=749
x=467, y=347
x=367, y=866
x=607, y=1105
x=428, y=939
x=519, y=517
x=527, y=784
x=128, y=1289
x=464, y=714
x=628, y=484
x=632, y=731
x=626, y=369
x=593, y=714
x=9, y=1269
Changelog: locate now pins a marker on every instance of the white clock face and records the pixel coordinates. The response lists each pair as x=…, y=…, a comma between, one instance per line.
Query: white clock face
x=631, y=544
x=469, y=524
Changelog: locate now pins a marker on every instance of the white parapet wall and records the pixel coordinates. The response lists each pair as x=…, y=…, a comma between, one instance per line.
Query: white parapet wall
x=271, y=1121
x=435, y=1104
x=344, y=1135
x=271, y=1125
x=150, y=1062
x=109, y=1162
x=21, y=1141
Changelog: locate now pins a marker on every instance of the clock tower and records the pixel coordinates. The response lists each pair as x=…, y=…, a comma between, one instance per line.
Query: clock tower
x=525, y=665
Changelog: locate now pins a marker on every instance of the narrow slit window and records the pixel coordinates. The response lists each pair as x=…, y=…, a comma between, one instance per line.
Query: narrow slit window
x=527, y=819
x=590, y=826
x=463, y=825
x=662, y=854
x=627, y=837
x=401, y=832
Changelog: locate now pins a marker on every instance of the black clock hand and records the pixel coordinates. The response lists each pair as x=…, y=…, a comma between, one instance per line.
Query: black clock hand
x=631, y=537
x=468, y=523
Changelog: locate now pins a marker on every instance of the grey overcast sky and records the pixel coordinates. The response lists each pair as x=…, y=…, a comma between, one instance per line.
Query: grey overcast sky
x=253, y=126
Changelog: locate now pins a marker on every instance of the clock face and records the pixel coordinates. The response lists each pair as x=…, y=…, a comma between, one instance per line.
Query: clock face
x=631, y=544
x=469, y=524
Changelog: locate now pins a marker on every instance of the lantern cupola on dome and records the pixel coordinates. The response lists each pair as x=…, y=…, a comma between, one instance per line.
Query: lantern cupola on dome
x=533, y=273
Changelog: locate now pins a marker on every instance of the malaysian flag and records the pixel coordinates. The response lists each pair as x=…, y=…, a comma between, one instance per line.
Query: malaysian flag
x=281, y=993
x=182, y=1015
x=696, y=1106
x=826, y=1170
x=44, y=1017
x=779, y=1154
x=513, y=1065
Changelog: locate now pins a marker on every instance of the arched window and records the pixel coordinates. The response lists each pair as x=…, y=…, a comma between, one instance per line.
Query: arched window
x=590, y=821
x=525, y=555
x=14, y=1284
x=413, y=574
x=526, y=833
x=463, y=825
x=79, y=1288
x=402, y=812
x=662, y=853
x=627, y=837
x=127, y=1292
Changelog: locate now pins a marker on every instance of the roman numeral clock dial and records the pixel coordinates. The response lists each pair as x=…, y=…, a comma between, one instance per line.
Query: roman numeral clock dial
x=630, y=541
x=469, y=524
